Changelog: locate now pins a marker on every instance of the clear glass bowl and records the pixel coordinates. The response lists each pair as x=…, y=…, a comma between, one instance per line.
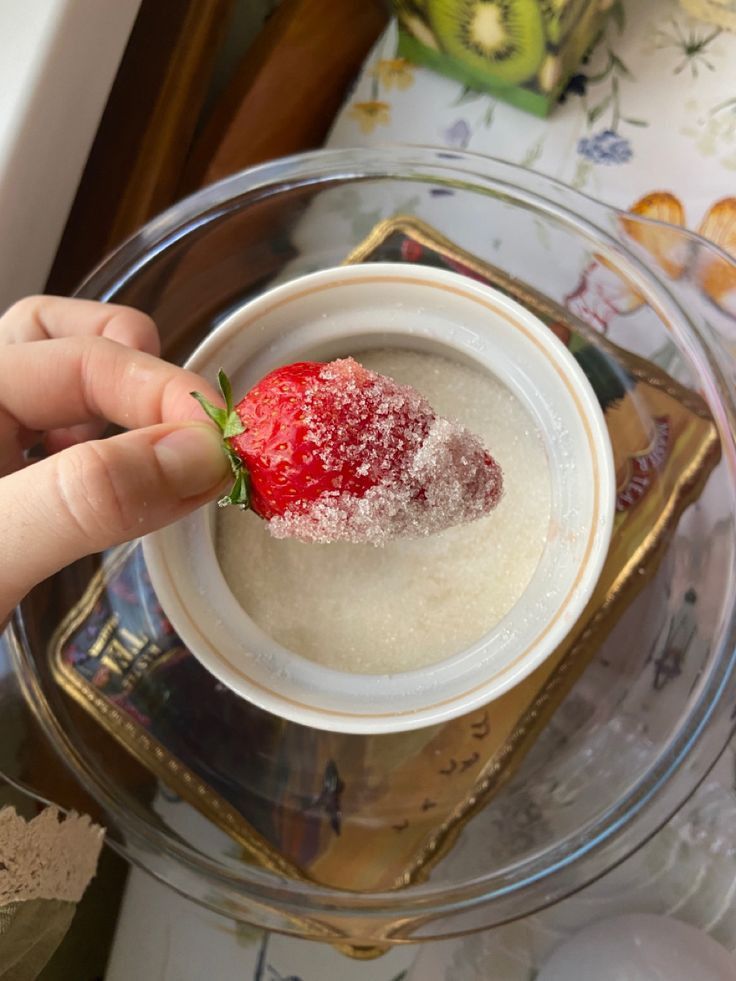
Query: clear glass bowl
x=641, y=725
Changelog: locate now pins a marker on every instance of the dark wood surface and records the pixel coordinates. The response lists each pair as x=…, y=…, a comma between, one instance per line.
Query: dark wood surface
x=138, y=156
x=288, y=88
x=153, y=147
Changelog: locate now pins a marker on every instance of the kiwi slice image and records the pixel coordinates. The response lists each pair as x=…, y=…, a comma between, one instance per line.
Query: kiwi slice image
x=412, y=16
x=582, y=38
x=550, y=74
x=411, y=8
x=501, y=38
x=560, y=16
x=420, y=29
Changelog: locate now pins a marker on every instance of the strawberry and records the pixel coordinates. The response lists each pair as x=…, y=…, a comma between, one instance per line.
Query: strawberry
x=335, y=451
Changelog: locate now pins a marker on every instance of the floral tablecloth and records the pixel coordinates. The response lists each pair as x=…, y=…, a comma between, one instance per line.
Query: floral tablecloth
x=652, y=109
x=648, y=122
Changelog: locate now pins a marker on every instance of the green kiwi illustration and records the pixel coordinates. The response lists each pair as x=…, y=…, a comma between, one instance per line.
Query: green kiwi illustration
x=411, y=8
x=560, y=16
x=419, y=28
x=501, y=38
x=550, y=74
x=582, y=38
x=412, y=15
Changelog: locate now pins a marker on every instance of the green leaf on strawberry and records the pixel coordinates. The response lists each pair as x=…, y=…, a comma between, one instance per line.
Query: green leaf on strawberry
x=228, y=422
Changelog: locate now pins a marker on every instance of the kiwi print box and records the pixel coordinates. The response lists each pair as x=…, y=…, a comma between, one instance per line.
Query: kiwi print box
x=523, y=51
x=322, y=805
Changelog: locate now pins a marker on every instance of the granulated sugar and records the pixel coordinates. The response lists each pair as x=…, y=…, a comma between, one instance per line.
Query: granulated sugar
x=375, y=461
x=413, y=601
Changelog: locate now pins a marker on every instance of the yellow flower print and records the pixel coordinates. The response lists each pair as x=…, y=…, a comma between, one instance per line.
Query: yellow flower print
x=370, y=114
x=394, y=71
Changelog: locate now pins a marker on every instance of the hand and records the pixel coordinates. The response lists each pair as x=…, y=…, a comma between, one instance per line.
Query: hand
x=68, y=367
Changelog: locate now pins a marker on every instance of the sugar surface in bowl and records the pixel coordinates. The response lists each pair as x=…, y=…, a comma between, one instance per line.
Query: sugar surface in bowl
x=411, y=602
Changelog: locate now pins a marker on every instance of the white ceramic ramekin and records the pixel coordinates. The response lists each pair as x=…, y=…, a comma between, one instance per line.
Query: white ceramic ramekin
x=341, y=311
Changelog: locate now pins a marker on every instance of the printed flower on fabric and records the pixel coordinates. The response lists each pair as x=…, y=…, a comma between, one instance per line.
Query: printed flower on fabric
x=394, y=71
x=713, y=129
x=370, y=114
x=606, y=147
x=458, y=134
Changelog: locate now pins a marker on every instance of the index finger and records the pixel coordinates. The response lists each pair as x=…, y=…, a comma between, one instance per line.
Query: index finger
x=38, y=318
x=58, y=383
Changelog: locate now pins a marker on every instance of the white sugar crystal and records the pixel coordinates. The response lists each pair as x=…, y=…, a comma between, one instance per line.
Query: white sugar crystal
x=413, y=601
x=424, y=473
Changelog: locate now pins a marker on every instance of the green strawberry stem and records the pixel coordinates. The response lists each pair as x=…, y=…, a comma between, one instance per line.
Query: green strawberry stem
x=228, y=422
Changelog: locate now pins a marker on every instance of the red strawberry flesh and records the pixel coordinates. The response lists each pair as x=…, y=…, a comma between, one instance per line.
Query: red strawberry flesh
x=337, y=452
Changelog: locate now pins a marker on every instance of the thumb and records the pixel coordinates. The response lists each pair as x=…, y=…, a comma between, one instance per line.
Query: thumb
x=99, y=494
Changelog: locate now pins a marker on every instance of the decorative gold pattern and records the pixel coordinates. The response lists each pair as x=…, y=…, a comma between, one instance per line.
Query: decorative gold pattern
x=687, y=489
x=144, y=748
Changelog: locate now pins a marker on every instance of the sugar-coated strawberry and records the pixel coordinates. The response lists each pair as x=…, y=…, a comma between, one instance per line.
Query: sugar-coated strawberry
x=327, y=452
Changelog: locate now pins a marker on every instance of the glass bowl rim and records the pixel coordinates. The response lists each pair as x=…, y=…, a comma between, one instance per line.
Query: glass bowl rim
x=321, y=167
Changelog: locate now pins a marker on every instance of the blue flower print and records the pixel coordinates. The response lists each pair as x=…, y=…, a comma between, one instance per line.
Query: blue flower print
x=458, y=135
x=606, y=147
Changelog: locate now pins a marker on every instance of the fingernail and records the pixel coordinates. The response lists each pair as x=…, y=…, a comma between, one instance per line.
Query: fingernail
x=192, y=459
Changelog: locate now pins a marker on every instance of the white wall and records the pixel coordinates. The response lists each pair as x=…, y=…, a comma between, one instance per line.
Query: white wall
x=58, y=59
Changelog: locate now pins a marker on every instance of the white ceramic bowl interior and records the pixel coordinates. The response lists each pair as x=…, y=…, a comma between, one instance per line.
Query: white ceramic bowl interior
x=350, y=309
